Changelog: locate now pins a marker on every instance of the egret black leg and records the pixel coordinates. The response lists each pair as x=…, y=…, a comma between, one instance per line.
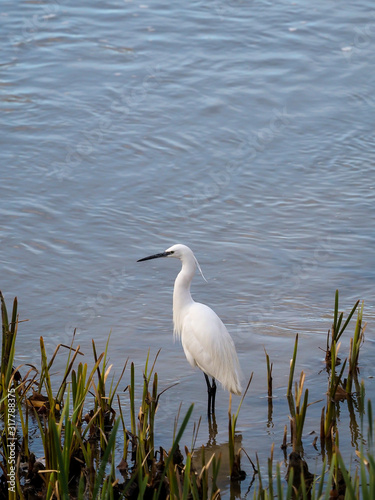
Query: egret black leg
x=211, y=390
x=209, y=394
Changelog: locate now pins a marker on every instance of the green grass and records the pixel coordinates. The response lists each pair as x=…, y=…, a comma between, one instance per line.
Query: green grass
x=81, y=423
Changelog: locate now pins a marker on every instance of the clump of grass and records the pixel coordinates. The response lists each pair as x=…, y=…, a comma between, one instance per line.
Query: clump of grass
x=355, y=345
x=298, y=407
x=335, y=393
x=334, y=480
x=236, y=473
x=76, y=447
x=9, y=379
x=367, y=461
x=339, y=388
x=337, y=330
x=8, y=374
x=297, y=404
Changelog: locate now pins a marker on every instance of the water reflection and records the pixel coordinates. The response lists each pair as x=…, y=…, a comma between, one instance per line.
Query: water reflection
x=222, y=450
x=297, y=472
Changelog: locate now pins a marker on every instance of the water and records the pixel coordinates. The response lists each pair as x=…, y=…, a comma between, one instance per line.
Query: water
x=243, y=129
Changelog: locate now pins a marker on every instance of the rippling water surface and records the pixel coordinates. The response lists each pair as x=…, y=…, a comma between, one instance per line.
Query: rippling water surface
x=242, y=129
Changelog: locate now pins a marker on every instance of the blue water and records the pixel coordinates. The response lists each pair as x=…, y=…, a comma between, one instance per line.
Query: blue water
x=242, y=129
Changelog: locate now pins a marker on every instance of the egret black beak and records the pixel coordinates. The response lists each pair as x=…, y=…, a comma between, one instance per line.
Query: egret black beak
x=156, y=256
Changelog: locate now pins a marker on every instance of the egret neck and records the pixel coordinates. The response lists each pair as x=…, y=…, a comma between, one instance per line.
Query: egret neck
x=181, y=292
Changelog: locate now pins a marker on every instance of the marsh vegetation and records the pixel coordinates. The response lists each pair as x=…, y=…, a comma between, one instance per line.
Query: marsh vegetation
x=95, y=447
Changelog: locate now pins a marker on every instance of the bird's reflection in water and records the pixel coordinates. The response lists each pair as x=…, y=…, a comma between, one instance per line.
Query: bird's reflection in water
x=300, y=473
x=224, y=482
x=212, y=430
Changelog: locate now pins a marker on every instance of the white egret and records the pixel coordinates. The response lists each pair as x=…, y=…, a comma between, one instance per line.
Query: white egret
x=205, y=340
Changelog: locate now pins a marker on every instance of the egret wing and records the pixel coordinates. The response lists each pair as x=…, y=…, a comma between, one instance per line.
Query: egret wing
x=207, y=344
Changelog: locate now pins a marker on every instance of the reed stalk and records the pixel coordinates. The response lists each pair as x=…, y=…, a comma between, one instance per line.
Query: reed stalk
x=355, y=345
x=292, y=367
x=337, y=330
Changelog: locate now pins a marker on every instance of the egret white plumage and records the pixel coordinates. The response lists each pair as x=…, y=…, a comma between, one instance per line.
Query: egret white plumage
x=205, y=340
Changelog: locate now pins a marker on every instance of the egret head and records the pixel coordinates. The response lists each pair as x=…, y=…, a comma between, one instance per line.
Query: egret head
x=179, y=251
